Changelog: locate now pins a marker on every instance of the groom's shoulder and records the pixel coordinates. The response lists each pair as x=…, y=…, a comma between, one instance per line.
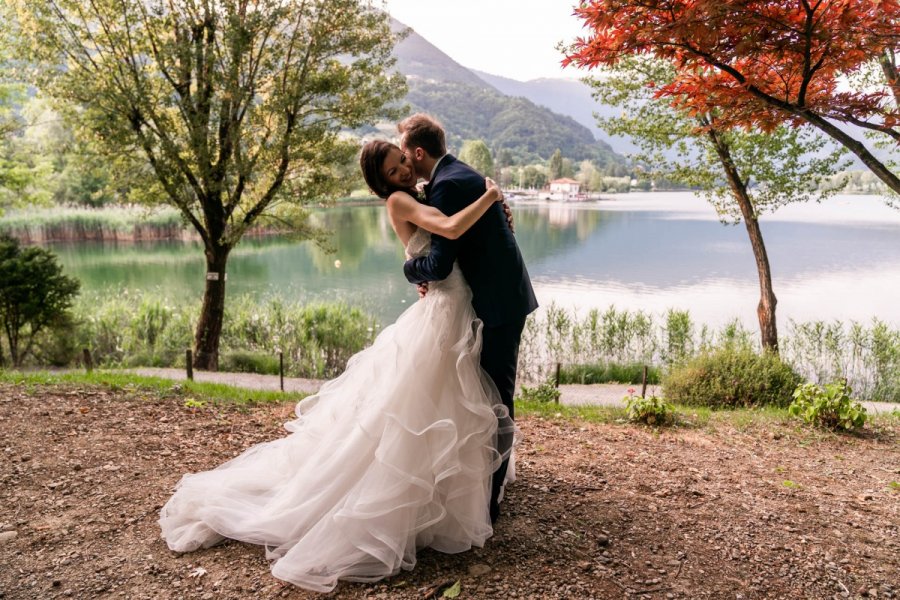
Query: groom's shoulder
x=457, y=169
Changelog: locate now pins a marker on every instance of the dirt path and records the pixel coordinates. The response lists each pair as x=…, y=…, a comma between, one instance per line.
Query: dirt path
x=599, y=511
x=604, y=394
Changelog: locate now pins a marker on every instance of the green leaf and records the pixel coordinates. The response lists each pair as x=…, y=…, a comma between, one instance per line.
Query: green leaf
x=453, y=591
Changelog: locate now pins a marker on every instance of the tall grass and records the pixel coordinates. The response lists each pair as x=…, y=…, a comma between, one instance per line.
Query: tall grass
x=79, y=223
x=138, y=329
x=868, y=356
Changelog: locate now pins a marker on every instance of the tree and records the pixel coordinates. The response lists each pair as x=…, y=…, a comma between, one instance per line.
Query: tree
x=34, y=295
x=233, y=108
x=533, y=177
x=476, y=154
x=742, y=173
x=759, y=64
x=556, y=165
x=588, y=176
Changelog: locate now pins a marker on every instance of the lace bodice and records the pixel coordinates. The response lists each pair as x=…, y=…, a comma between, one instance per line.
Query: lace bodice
x=419, y=243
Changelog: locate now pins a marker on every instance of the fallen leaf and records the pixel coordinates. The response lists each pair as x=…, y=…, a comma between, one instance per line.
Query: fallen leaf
x=453, y=591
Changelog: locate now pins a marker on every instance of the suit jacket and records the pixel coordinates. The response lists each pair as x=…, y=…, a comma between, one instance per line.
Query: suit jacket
x=487, y=253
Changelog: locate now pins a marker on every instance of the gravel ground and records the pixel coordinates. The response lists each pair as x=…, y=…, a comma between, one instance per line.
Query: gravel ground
x=599, y=511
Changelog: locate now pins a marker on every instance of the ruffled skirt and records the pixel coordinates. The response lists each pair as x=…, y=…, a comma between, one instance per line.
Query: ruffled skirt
x=394, y=455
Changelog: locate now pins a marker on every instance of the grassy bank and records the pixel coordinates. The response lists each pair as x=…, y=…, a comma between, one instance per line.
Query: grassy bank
x=196, y=391
x=131, y=329
x=199, y=394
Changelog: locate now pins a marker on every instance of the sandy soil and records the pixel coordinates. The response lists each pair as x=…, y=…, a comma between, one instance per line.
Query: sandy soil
x=599, y=511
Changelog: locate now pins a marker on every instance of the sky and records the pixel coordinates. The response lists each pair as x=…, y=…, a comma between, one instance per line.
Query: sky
x=512, y=38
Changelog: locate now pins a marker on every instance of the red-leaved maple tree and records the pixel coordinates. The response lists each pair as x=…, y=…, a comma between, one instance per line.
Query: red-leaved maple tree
x=760, y=63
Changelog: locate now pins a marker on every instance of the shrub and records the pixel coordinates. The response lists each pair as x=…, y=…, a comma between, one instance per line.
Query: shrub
x=35, y=296
x=731, y=377
x=651, y=410
x=608, y=373
x=545, y=392
x=828, y=406
x=242, y=361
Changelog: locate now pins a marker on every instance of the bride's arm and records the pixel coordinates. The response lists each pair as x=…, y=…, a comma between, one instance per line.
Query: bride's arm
x=404, y=206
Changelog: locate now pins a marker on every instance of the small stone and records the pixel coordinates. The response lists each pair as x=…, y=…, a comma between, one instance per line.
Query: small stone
x=602, y=540
x=477, y=570
x=8, y=536
x=873, y=593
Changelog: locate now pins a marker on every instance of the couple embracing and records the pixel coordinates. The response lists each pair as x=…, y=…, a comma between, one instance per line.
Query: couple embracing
x=410, y=447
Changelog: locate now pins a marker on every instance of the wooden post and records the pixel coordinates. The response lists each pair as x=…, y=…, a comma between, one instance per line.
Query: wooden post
x=557, y=381
x=281, y=368
x=88, y=360
x=644, y=382
x=189, y=363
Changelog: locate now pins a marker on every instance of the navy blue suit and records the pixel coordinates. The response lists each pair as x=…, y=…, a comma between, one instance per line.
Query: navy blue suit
x=490, y=260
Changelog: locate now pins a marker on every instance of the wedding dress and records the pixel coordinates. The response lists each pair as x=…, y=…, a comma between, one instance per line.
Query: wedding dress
x=393, y=455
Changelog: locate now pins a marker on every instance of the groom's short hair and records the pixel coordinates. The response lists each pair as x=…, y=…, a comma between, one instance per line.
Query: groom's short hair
x=423, y=131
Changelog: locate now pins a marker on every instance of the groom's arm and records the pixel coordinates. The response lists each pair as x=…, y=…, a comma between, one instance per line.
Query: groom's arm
x=438, y=264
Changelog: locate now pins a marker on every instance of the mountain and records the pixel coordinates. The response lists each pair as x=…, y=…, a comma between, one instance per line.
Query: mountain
x=471, y=108
x=564, y=96
x=573, y=98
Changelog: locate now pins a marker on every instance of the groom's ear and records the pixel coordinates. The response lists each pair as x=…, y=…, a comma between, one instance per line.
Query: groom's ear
x=419, y=154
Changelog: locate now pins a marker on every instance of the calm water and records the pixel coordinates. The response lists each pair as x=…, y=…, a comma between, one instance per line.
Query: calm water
x=837, y=260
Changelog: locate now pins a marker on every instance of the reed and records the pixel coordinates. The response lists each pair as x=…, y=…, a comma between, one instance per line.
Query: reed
x=142, y=329
x=607, y=345
x=68, y=224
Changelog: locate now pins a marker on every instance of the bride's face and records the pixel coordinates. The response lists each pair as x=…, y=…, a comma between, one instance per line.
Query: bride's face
x=398, y=170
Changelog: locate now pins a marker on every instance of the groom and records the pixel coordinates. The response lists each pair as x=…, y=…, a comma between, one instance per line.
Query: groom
x=487, y=255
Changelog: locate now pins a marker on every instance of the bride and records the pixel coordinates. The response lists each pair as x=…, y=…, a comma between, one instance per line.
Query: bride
x=393, y=455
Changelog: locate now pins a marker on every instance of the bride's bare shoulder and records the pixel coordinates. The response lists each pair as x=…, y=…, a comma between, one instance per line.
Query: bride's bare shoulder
x=399, y=197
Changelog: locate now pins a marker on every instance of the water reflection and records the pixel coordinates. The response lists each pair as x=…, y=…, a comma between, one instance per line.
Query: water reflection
x=647, y=252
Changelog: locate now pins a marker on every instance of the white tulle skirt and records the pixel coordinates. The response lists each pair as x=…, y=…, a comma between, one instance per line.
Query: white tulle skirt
x=394, y=455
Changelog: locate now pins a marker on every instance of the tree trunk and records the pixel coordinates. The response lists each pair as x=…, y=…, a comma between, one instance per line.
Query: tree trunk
x=765, y=310
x=209, y=327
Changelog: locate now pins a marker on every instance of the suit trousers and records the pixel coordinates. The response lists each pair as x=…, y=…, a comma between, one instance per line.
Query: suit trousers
x=499, y=358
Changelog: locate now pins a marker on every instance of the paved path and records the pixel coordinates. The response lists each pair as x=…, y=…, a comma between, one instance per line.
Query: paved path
x=600, y=394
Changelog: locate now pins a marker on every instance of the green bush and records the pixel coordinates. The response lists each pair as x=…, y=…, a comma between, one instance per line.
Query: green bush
x=243, y=361
x=546, y=392
x=651, y=410
x=35, y=297
x=730, y=378
x=608, y=373
x=828, y=406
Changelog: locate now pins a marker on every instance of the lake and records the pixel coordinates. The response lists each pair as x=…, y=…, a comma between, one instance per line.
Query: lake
x=648, y=251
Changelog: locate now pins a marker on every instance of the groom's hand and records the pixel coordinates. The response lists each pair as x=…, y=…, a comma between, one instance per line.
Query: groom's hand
x=422, y=289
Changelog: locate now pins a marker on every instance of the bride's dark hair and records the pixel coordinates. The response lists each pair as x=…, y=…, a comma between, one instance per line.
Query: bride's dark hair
x=371, y=159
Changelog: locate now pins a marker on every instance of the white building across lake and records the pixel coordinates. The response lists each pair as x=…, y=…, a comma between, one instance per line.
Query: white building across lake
x=564, y=189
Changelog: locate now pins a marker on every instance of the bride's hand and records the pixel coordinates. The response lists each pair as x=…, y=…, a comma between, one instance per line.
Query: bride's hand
x=493, y=188
x=509, y=217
